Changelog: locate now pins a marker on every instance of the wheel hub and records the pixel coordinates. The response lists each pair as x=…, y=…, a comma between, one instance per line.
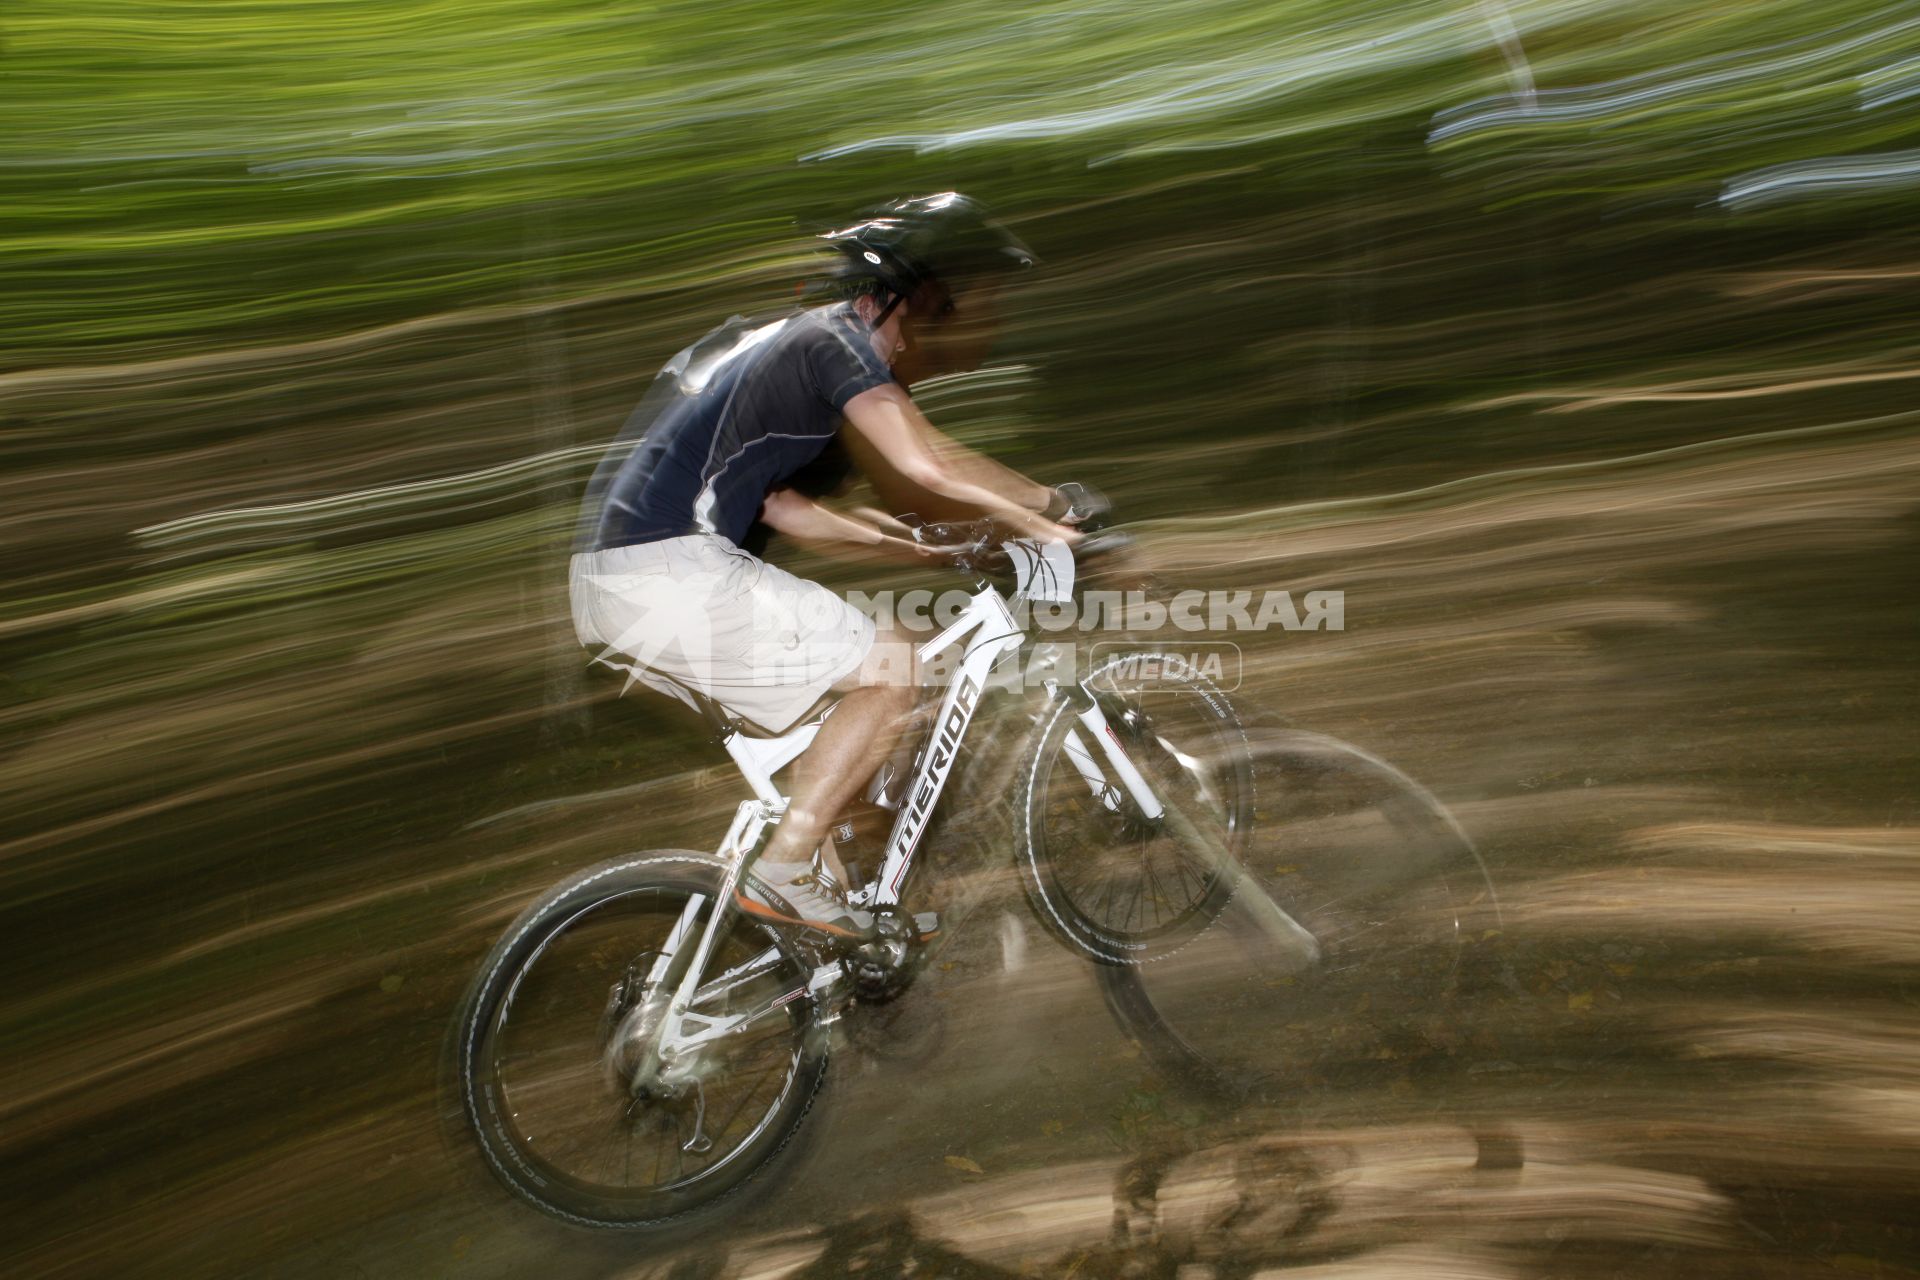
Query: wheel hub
x=627, y=1030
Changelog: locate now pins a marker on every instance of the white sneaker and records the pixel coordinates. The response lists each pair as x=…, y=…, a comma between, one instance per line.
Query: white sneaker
x=792, y=893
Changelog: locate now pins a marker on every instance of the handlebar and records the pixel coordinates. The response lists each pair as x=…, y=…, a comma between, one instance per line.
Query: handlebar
x=974, y=545
x=968, y=544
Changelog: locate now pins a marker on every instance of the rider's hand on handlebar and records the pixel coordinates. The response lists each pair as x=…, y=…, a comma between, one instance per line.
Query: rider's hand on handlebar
x=1061, y=533
x=1078, y=506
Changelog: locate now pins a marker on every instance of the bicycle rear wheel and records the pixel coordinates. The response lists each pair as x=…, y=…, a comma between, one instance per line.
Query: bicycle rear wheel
x=554, y=1124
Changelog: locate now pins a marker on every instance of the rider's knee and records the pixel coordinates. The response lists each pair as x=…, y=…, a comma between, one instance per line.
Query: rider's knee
x=883, y=680
x=890, y=664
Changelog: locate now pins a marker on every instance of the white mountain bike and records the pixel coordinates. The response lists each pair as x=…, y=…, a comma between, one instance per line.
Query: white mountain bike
x=635, y=1047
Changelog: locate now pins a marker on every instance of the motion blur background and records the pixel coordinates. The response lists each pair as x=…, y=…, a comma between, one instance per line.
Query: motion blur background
x=1573, y=340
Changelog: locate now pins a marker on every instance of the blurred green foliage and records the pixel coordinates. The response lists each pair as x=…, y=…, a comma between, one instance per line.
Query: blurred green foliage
x=188, y=175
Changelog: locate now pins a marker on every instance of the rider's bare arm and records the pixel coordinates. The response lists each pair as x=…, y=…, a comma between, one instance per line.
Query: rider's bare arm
x=982, y=470
x=883, y=519
x=887, y=418
x=834, y=533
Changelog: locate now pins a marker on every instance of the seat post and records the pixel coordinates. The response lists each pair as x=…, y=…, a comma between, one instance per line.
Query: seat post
x=720, y=725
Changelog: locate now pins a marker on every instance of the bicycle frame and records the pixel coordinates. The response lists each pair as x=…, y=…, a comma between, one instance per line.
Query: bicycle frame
x=984, y=634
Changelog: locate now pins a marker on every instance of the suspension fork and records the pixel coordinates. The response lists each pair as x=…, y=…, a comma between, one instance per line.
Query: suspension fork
x=1093, y=719
x=1267, y=914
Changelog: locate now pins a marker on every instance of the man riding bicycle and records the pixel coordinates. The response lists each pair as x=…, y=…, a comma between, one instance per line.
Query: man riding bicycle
x=662, y=586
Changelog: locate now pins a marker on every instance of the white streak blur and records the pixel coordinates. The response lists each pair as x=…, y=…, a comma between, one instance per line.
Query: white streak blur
x=1830, y=175
x=1638, y=94
x=1212, y=88
x=1890, y=84
x=371, y=505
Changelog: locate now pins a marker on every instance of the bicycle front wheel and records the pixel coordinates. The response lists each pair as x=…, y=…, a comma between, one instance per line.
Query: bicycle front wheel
x=1364, y=862
x=563, y=1132
x=1109, y=884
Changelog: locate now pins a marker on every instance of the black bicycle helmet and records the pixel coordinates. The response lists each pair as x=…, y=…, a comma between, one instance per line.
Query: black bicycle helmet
x=902, y=245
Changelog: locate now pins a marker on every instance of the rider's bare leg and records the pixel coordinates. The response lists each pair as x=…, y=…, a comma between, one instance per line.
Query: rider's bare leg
x=859, y=734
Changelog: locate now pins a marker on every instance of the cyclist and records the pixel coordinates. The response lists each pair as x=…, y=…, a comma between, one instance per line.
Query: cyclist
x=662, y=585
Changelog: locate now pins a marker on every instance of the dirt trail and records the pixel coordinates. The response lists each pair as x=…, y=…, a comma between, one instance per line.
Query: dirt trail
x=1671, y=699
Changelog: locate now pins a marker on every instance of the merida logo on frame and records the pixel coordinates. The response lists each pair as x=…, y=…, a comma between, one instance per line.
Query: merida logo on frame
x=945, y=746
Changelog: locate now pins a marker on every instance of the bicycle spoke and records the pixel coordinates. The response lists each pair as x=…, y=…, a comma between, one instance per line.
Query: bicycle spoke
x=1107, y=898
x=1160, y=898
x=655, y=1179
x=612, y=1142
x=746, y=1096
x=1184, y=866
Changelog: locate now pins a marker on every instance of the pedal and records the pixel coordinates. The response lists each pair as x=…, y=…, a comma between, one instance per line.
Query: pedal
x=925, y=925
x=828, y=988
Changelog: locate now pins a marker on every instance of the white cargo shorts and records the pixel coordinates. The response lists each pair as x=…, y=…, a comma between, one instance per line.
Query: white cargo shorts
x=706, y=615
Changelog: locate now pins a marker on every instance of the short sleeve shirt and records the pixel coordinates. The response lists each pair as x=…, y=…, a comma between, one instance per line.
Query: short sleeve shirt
x=729, y=420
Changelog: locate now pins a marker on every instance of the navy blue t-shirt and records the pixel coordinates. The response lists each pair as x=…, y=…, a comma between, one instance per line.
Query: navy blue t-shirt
x=729, y=420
